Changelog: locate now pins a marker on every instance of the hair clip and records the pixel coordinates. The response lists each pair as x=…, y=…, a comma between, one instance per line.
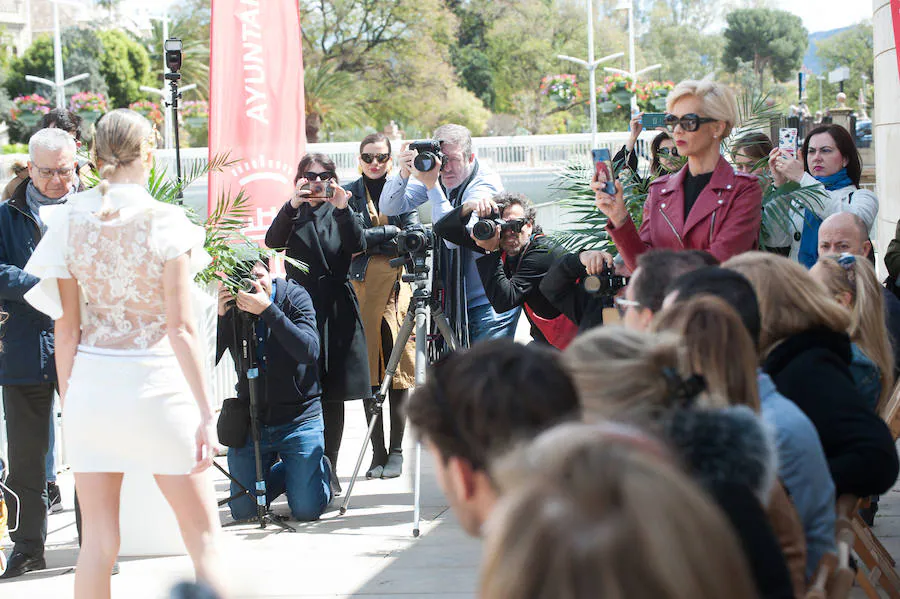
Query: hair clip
x=846, y=260
x=683, y=391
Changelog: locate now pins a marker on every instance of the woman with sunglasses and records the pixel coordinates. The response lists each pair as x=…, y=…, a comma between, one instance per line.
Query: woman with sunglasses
x=317, y=227
x=663, y=153
x=704, y=206
x=829, y=160
x=383, y=298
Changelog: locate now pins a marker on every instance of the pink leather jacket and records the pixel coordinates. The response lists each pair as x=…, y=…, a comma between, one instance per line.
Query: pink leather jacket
x=724, y=220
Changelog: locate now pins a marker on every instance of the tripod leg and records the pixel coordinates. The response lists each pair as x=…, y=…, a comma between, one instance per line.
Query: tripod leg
x=444, y=327
x=421, y=362
x=389, y=372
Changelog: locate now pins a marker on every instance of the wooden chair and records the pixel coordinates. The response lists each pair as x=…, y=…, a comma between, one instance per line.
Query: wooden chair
x=834, y=576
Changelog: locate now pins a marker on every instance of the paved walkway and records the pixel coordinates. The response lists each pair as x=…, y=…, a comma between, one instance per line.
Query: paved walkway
x=368, y=552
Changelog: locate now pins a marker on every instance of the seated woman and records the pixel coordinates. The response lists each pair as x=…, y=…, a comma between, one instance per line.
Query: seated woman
x=806, y=350
x=830, y=161
x=853, y=284
x=638, y=378
x=720, y=349
x=704, y=206
x=663, y=153
x=601, y=511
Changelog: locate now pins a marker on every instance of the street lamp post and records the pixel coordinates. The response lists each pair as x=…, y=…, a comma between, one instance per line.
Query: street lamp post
x=59, y=83
x=634, y=74
x=591, y=65
x=821, y=78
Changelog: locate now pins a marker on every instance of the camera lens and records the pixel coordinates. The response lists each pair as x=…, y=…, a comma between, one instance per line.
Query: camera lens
x=592, y=284
x=414, y=242
x=247, y=285
x=425, y=161
x=483, y=229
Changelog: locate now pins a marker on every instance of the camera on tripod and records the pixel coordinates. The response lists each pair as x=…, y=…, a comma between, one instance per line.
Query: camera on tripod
x=484, y=228
x=414, y=243
x=605, y=284
x=429, y=152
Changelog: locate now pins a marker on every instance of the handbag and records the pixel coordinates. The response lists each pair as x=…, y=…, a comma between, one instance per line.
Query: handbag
x=233, y=425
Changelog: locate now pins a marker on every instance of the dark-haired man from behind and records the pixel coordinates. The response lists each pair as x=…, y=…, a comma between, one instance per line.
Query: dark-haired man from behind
x=476, y=405
x=292, y=437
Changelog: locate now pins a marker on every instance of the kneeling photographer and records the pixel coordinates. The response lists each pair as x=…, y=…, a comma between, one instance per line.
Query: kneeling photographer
x=291, y=430
x=516, y=257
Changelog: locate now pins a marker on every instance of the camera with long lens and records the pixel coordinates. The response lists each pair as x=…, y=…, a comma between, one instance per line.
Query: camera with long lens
x=605, y=284
x=429, y=153
x=483, y=229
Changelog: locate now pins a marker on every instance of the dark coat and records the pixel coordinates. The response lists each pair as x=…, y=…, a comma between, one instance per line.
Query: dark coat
x=290, y=375
x=359, y=204
x=724, y=220
x=812, y=370
x=325, y=239
x=562, y=288
x=512, y=281
x=730, y=455
x=27, y=356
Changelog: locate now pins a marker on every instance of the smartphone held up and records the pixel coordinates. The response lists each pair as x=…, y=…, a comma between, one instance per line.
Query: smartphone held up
x=603, y=170
x=319, y=190
x=787, y=140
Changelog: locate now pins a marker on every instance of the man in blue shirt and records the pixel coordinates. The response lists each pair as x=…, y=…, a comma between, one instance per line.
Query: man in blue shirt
x=456, y=179
x=292, y=440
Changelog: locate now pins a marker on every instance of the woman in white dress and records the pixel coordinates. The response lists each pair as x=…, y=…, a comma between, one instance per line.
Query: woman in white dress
x=116, y=269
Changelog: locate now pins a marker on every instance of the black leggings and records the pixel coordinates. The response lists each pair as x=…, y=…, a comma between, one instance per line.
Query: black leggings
x=333, y=417
x=397, y=399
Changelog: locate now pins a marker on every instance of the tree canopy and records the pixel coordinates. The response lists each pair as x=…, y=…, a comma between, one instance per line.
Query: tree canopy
x=773, y=41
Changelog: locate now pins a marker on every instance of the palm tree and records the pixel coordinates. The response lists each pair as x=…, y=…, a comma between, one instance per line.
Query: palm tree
x=327, y=102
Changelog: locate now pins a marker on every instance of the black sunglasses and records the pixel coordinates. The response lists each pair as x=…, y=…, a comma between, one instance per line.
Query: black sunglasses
x=326, y=176
x=689, y=122
x=368, y=158
x=673, y=152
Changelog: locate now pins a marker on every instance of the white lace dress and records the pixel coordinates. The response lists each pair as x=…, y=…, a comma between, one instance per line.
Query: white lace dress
x=128, y=405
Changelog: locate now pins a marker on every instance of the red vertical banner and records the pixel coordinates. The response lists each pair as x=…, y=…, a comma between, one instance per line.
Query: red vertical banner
x=895, y=18
x=256, y=103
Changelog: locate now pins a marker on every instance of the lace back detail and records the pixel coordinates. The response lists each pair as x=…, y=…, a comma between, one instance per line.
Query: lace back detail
x=120, y=275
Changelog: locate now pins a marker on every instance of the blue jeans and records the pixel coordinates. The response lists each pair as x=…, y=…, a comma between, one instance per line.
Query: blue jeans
x=484, y=323
x=300, y=472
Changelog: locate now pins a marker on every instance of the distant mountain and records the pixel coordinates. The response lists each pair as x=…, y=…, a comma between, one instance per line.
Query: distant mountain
x=811, y=61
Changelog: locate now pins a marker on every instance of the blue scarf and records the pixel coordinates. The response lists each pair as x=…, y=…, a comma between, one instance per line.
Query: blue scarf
x=809, y=251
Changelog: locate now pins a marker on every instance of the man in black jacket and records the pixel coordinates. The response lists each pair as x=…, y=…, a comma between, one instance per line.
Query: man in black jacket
x=514, y=260
x=289, y=405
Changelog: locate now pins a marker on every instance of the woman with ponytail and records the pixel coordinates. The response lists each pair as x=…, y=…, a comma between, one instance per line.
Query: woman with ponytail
x=852, y=282
x=646, y=380
x=115, y=269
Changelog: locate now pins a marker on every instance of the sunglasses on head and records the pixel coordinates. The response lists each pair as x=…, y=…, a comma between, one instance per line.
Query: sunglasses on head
x=380, y=158
x=673, y=152
x=689, y=122
x=326, y=176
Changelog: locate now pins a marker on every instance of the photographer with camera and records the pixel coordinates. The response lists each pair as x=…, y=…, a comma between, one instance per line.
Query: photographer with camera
x=318, y=228
x=292, y=440
x=516, y=257
x=448, y=174
x=383, y=299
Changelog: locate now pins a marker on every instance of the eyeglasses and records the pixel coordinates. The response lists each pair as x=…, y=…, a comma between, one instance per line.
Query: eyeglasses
x=623, y=304
x=689, y=122
x=46, y=173
x=326, y=176
x=673, y=152
x=380, y=158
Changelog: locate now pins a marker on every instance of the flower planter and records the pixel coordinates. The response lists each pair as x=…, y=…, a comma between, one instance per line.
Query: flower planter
x=607, y=107
x=29, y=119
x=622, y=96
x=659, y=103
x=195, y=121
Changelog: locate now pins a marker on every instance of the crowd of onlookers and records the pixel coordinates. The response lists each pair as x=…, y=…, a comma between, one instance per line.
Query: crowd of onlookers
x=693, y=406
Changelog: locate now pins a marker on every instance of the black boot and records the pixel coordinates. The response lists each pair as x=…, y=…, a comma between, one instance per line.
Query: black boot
x=379, y=452
x=333, y=416
x=20, y=563
x=394, y=466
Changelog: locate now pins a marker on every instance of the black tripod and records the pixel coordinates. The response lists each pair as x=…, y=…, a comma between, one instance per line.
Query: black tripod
x=416, y=316
x=245, y=331
x=173, y=79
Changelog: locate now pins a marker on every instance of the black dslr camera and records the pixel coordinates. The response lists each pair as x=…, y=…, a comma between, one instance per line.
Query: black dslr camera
x=484, y=228
x=429, y=152
x=414, y=240
x=606, y=284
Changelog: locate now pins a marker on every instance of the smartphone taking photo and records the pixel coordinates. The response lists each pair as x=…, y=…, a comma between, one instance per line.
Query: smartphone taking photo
x=653, y=120
x=787, y=140
x=603, y=170
x=319, y=189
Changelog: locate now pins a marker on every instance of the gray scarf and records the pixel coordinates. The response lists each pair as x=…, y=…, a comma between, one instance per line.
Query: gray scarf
x=35, y=199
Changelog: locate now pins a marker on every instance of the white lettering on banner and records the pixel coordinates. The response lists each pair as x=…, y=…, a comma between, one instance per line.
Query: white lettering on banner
x=256, y=100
